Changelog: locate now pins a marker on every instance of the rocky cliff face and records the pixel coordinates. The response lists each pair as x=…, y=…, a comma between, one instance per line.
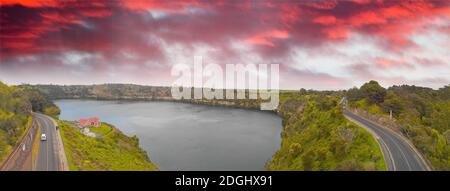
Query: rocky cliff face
x=135, y=92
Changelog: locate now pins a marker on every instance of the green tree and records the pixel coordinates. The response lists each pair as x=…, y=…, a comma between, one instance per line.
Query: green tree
x=440, y=117
x=373, y=92
x=354, y=94
x=394, y=103
x=303, y=91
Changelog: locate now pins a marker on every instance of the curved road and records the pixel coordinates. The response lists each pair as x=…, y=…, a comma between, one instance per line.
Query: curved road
x=48, y=156
x=398, y=153
x=50, y=153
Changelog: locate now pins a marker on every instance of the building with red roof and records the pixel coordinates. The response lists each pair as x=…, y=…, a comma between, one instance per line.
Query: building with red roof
x=94, y=121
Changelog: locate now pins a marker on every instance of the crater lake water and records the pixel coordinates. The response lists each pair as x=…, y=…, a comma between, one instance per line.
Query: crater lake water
x=182, y=136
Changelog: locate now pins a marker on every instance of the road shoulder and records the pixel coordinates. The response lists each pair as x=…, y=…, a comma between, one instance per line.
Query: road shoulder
x=63, y=162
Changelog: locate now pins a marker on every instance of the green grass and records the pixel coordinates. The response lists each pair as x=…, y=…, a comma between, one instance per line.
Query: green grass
x=72, y=165
x=103, y=130
x=113, y=151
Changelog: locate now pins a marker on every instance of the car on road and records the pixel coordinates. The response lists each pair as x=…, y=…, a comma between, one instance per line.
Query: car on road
x=43, y=137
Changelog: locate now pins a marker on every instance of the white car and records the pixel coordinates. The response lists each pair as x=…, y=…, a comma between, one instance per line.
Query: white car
x=43, y=137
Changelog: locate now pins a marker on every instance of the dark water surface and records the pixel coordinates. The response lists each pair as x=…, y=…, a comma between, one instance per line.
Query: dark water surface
x=180, y=136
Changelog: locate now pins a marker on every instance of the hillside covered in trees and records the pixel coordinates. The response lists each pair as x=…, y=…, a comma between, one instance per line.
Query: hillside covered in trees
x=316, y=136
x=16, y=105
x=421, y=114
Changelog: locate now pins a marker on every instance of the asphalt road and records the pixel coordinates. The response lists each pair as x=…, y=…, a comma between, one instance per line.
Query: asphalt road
x=399, y=155
x=48, y=158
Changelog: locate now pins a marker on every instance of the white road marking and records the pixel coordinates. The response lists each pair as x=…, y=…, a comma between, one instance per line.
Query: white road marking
x=402, y=154
x=399, y=148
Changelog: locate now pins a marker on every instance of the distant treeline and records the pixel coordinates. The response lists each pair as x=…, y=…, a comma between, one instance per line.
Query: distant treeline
x=134, y=92
x=104, y=91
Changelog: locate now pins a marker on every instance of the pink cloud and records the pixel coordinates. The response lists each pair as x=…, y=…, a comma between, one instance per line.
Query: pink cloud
x=265, y=37
x=367, y=18
x=325, y=20
x=271, y=30
x=385, y=63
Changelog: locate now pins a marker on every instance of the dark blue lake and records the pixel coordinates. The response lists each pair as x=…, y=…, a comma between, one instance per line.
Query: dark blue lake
x=181, y=136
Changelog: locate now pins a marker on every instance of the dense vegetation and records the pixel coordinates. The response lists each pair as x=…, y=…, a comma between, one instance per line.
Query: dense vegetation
x=16, y=104
x=314, y=128
x=112, y=150
x=421, y=114
x=316, y=136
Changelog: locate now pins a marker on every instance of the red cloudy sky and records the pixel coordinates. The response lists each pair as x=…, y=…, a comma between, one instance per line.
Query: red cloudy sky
x=319, y=45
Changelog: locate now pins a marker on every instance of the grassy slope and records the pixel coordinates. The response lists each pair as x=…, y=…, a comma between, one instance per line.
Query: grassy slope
x=316, y=136
x=113, y=151
x=103, y=130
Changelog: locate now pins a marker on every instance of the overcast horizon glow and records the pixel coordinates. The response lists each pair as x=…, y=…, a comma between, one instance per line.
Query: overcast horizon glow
x=324, y=45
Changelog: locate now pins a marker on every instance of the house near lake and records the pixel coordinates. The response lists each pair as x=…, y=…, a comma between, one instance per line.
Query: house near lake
x=89, y=122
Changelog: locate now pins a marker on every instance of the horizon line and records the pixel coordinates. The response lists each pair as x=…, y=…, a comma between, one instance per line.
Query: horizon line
x=280, y=89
